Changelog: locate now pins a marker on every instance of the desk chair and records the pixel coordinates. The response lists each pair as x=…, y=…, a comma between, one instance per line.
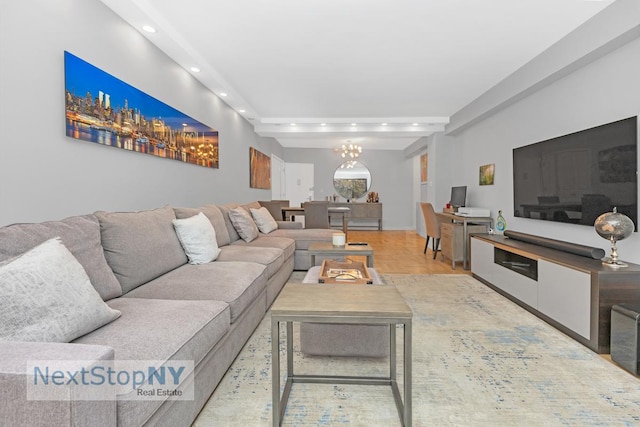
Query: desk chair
x=316, y=214
x=433, y=227
x=275, y=207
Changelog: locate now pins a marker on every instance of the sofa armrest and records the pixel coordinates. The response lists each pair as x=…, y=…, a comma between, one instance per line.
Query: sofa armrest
x=17, y=362
x=289, y=225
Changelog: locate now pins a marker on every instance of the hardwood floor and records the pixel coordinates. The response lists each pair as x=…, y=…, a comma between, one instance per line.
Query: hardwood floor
x=401, y=252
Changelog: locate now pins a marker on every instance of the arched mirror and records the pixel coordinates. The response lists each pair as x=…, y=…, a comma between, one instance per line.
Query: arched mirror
x=352, y=180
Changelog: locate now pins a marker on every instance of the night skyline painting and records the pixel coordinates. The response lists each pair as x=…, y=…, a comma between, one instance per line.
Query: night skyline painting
x=102, y=109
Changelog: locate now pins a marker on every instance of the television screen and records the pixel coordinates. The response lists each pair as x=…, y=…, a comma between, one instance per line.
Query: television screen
x=458, y=196
x=577, y=177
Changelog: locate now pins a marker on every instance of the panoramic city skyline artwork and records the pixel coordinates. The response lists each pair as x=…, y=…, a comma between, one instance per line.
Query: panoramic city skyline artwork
x=103, y=109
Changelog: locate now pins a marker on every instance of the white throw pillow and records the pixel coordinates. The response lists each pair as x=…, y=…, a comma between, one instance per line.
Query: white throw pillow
x=265, y=222
x=198, y=238
x=243, y=223
x=46, y=296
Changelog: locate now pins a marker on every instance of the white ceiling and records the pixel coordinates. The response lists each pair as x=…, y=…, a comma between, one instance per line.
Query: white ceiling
x=408, y=63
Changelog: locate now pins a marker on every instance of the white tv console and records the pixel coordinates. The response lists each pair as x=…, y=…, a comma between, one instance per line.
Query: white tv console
x=571, y=292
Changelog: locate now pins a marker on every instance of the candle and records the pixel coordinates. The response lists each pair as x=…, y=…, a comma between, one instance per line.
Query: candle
x=339, y=239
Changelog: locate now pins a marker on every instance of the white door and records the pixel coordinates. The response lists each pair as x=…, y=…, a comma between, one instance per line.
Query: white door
x=299, y=182
x=278, y=189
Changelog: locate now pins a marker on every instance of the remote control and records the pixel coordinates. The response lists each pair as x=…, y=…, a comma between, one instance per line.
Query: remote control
x=358, y=243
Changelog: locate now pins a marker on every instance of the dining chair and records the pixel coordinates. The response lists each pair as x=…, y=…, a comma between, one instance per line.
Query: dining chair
x=316, y=214
x=275, y=207
x=433, y=227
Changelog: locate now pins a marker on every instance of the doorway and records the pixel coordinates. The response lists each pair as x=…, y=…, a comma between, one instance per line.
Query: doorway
x=299, y=182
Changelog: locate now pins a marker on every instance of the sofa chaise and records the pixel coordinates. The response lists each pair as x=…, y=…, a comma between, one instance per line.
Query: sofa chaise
x=150, y=302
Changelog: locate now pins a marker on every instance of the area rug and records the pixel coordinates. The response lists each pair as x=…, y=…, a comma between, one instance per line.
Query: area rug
x=478, y=360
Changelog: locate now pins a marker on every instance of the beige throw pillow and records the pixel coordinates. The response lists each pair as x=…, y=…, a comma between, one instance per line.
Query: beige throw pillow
x=46, y=296
x=198, y=238
x=243, y=223
x=263, y=219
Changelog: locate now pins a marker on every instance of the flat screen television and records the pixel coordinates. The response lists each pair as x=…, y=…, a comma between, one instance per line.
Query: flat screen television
x=458, y=196
x=577, y=177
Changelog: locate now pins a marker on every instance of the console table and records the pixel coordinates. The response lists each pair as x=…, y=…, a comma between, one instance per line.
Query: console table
x=570, y=292
x=361, y=211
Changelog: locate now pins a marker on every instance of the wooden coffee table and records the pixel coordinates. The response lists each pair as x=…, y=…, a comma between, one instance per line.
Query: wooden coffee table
x=326, y=303
x=327, y=249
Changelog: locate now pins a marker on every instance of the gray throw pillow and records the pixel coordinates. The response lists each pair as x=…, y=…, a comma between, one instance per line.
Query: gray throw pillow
x=263, y=219
x=243, y=223
x=46, y=296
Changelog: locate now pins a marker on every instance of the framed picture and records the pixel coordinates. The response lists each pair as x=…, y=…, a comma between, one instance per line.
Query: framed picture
x=260, y=169
x=486, y=174
x=424, y=160
x=102, y=109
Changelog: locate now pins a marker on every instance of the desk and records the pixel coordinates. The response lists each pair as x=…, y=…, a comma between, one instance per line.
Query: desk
x=378, y=305
x=465, y=220
x=291, y=211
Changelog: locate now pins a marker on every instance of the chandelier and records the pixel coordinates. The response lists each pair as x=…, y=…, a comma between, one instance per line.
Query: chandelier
x=350, y=150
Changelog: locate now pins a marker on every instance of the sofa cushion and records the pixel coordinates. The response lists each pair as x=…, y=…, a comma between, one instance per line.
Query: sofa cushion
x=288, y=246
x=252, y=205
x=263, y=219
x=305, y=236
x=160, y=330
x=80, y=234
x=271, y=258
x=198, y=238
x=140, y=246
x=233, y=234
x=45, y=295
x=215, y=216
x=236, y=283
x=243, y=223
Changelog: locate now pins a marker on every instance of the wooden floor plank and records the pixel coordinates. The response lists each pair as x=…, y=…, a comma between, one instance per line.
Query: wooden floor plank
x=401, y=252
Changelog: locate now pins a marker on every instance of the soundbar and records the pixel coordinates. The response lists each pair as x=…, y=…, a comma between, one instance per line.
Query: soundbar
x=574, y=248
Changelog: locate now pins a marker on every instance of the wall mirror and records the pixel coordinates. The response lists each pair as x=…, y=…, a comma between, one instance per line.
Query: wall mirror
x=352, y=180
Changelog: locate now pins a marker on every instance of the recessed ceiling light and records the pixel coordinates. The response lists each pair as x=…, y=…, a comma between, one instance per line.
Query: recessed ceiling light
x=149, y=29
x=293, y=124
x=354, y=124
x=415, y=124
x=241, y=110
x=223, y=94
x=195, y=69
x=323, y=124
x=384, y=124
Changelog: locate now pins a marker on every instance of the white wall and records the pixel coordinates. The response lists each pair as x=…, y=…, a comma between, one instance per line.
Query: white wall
x=602, y=91
x=47, y=175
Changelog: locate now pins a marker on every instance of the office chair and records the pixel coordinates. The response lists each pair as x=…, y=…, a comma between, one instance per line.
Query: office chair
x=433, y=227
x=316, y=214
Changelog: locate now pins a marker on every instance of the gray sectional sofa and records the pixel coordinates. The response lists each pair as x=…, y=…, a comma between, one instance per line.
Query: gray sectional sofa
x=169, y=309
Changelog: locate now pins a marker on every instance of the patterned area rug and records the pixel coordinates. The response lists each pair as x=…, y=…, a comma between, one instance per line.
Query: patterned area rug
x=478, y=360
